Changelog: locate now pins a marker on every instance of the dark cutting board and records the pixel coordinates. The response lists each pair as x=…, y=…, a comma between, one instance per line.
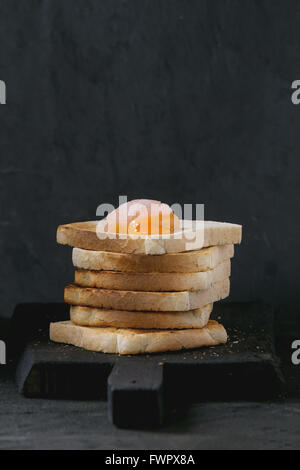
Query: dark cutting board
x=141, y=389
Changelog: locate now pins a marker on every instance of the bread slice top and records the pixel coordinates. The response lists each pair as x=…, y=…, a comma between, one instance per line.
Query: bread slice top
x=193, y=235
x=97, y=317
x=152, y=282
x=134, y=341
x=186, y=262
x=145, y=301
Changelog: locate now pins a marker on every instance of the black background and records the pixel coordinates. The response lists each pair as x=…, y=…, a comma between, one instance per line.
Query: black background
x=179, y=100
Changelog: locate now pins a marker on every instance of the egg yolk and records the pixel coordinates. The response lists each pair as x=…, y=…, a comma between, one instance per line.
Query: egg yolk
x=142, y=217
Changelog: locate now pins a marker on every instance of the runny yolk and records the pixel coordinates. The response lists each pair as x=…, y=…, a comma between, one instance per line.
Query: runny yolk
x=142, y=217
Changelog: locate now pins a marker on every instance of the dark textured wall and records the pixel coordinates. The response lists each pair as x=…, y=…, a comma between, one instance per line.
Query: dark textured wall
x=183, y=101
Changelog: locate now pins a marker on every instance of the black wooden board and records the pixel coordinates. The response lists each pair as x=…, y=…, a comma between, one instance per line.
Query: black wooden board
x=141, y=389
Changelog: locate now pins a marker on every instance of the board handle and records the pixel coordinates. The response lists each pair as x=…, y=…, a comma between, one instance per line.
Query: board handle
x=135, y=394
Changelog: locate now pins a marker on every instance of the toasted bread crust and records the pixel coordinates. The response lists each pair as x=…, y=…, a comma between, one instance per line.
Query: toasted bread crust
x=130, y=341
x=189, y=261
x=152, y=282
x=145, y=301
x=89, y=316
x=88, y=235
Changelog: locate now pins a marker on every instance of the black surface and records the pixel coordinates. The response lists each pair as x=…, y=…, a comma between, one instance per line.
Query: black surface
x=183, y=101
x=136, y=395
x=29, y=321
x=69, y=424
x=245, y=368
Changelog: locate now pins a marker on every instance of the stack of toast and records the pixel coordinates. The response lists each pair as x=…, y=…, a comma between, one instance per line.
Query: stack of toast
x=135, y=295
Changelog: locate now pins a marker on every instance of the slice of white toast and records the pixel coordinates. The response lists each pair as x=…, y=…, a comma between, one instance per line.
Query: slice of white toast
x=187, y=262
x=145, y=301
x=91, y=316
x=130, y=341
x=152, y=282
x=193, y=235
